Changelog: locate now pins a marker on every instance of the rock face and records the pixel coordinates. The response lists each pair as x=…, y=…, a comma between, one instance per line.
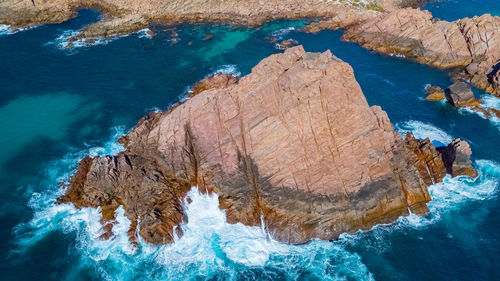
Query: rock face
x=294, y=144
x=469, y=42
x=131, y=15
x=435, y=93
x=456, y=157
x=414, y=34
x=460, y=94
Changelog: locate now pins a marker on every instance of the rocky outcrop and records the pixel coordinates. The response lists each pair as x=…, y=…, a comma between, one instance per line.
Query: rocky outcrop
x=294, y=144
x=435, y=93
x=471, y=43
x=416, y=35
x=460, y=94
x=125, y=16
x=456, y=158
x=217, y=81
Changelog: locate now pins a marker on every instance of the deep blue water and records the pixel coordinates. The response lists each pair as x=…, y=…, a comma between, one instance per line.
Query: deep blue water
x=451, y=10
x=58, y=105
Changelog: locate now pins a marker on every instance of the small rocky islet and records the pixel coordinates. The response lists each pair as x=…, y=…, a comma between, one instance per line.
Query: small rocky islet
x=294, y=144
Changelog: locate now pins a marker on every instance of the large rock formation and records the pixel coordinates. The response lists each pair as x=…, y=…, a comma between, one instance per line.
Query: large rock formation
x=294, y=144
x=131, y=15
x=472, y=43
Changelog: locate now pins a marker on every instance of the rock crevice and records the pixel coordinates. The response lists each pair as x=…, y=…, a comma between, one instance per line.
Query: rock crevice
x=293, y=144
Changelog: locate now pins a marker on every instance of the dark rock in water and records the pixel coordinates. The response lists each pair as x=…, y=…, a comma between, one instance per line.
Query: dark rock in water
x=208, y=37
x=456, y=158
x=494, y=78
x=460, y=94
x=435, y=93
x=294, y=144
x=285, y=44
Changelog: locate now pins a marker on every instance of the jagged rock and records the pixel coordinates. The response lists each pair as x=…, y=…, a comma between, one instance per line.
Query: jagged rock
x=216, y=81
x=294, y=144
x=460, y=94
x=456, y=157
x=494, y=78
x=22, y=13
x=469, y=42
x=435, y=93
x=472, y=68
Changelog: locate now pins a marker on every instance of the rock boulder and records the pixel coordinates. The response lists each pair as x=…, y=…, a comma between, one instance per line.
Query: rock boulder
x=460, y=94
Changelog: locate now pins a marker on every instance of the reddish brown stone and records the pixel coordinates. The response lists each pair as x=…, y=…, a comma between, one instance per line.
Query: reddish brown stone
x=294, y=143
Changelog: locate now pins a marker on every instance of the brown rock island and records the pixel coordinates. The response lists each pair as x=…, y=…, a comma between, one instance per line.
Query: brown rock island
x=293, y=144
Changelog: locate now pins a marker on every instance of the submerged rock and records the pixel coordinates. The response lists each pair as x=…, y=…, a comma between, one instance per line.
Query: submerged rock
x=293, y=145
x=460, y=94
x=285, y=44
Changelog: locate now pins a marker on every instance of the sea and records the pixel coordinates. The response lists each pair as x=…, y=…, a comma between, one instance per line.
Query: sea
x=60, y=103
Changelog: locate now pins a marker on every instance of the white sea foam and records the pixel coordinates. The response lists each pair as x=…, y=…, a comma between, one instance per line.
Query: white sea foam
x=212, y=247
x=423, y=130
x=8, y=30
x=397, y=55
x=281, y=33
x=227, y=69
x=144, y=33
x=5, y=30
x=489, y=101
x=66, y=41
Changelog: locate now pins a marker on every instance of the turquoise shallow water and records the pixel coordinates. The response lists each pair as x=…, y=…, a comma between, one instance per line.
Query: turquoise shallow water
x=58, y=105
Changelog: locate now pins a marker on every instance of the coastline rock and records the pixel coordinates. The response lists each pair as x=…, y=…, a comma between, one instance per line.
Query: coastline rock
x=435, y=93
x=416, y=35
x=472, y=44
x=293, y=145
x=17, y=13
x=460, y=94
x=456, y=157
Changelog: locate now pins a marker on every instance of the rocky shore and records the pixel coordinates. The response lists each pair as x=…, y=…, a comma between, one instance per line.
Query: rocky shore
x=122, y=17
x=471, y=45
x=293, y=145
x=396, y=27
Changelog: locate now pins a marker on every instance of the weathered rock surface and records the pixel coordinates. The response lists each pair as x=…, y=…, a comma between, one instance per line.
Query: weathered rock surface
x=469, y=42
x=294, y=144
x=130, y=14
x=460, y=94
x=435, y=93
x=456, y=157
x=415, y=34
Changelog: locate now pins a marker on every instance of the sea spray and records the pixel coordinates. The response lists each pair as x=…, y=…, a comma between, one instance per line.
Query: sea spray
x=421, y=130
x=213, y=248
x=488, y=102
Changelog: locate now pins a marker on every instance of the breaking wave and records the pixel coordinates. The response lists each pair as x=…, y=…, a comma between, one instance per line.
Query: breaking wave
x=68, y=40
x=423, y=130
x=227, y=69
x=212, y=248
